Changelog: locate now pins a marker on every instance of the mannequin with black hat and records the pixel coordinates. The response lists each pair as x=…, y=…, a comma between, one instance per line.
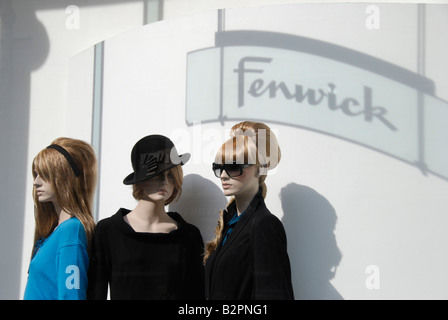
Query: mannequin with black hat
x=148, y=253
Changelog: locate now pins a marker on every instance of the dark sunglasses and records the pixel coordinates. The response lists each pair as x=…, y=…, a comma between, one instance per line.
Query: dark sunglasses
x=232, y=169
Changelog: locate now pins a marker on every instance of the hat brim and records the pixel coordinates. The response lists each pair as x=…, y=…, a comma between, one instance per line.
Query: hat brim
x=137, y=177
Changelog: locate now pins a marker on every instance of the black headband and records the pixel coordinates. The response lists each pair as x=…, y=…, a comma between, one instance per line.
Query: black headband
x=67, y=156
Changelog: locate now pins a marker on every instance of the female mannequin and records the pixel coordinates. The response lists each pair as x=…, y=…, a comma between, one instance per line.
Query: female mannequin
x=64, y=183
x=248, y=257
x=148, y=253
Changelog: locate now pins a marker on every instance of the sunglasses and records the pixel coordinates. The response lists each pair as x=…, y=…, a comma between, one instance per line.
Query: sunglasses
x=232, y=169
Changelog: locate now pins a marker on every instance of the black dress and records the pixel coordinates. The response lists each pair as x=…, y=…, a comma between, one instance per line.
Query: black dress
x=140, y=265
x=253, y=263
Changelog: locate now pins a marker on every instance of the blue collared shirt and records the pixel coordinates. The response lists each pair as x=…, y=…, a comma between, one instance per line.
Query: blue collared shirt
x=231, y=225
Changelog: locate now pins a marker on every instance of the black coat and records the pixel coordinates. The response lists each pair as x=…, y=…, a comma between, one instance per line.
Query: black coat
x=140, y=265
x=253, y=263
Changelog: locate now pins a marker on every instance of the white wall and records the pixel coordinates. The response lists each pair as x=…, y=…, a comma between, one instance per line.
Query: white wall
x=38, y=43
x=381, y=215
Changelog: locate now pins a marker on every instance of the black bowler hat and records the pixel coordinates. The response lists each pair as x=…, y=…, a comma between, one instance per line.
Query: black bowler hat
x=152, y=155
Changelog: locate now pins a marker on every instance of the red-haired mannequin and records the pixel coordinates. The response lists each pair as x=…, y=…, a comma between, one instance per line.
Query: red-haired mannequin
x=248, y=257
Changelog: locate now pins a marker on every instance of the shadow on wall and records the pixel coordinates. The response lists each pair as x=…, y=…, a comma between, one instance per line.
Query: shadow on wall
x=309, y=221
x=200, y=203
x=24, y=48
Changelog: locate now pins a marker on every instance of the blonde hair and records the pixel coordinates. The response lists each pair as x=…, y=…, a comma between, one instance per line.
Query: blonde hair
x=250, y=143
x=73, y=193
x=177, y=173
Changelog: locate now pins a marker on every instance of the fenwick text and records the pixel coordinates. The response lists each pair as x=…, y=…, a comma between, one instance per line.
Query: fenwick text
x=349, y=106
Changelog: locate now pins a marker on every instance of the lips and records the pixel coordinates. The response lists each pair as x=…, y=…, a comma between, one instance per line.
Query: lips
x=226, y=185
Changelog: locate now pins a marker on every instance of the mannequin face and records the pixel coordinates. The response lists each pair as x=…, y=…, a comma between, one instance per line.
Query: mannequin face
x=245, y=184
x=158, y=188
x=44, y=190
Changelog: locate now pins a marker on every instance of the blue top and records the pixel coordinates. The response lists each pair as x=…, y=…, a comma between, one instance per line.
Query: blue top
x=58, y=271
x=231, y=225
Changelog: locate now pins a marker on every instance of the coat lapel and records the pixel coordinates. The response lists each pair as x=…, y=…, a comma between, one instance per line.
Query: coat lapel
x=239, y=226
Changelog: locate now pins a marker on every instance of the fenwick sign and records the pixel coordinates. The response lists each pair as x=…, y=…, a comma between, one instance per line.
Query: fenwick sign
x=309, y=96
x=318, y=86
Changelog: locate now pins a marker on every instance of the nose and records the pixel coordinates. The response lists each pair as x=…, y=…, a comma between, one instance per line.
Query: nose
x=164, y=179
x=37, y=181
x=224, y=175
